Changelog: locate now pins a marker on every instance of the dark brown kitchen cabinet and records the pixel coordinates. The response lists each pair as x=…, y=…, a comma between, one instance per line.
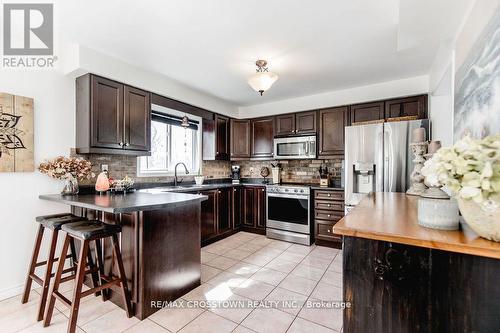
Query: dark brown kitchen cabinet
x=367, y=112
x=254, y=208
x=209, y=215
x=305, y=122
x=240, y=138
x=296, y=123
x=331, y=131
x=414, y=106
x=237, y=207
x=262, y=134
x=216, y=138
x=111, y=117
x=328, y=207
x=285, y=124
x=224, y=210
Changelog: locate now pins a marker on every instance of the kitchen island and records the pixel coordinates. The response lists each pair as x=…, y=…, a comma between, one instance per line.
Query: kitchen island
x=160, y=242
x=401, y=277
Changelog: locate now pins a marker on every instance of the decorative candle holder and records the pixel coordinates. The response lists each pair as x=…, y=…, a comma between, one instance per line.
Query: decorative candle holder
x=417, y=179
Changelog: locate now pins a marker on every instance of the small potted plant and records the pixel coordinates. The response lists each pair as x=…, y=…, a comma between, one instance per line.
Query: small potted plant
x=471, y=170
x=69, y=169
x=199, y=179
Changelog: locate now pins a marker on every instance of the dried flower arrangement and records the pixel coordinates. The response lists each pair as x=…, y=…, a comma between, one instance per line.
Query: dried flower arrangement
x=67, y=167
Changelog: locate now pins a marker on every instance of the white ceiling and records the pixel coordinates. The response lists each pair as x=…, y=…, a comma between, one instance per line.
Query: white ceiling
x=314, y=46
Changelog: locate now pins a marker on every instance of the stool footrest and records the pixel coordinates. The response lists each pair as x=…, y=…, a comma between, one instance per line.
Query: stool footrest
x=62, y=298
x=41, y=263
x=101, y=287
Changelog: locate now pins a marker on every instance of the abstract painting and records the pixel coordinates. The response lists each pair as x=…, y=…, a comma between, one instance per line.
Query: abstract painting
x=16, y=134
x=477, y=86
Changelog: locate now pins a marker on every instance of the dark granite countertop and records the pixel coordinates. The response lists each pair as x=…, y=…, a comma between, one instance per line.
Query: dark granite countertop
x=119, y=203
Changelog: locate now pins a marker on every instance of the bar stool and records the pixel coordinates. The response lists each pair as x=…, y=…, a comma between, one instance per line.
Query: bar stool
x=86, y=232
x=52, y=222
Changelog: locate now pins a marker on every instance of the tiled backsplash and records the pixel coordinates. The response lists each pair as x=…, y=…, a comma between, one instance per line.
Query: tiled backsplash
x=293, y=171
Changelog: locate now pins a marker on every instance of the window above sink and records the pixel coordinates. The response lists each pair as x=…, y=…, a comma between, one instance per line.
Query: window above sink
x=171, y=143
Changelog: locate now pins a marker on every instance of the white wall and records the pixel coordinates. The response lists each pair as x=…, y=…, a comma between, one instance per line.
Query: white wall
x=449, y=58
x=410, y=86
x=19, y=204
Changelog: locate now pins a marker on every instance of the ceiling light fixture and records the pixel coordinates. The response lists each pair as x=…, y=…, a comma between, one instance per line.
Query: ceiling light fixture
x=263, y=79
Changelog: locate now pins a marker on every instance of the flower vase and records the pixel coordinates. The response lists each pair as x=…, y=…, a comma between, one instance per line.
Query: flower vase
x=483, y=218
x=70, y=186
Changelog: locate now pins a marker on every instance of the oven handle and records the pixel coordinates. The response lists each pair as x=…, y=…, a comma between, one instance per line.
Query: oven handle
x=292, y=196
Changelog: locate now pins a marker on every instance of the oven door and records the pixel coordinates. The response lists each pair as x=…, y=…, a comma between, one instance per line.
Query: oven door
x=288, y=212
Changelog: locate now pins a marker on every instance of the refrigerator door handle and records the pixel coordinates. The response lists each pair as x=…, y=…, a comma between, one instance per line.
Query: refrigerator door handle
x=387, y=161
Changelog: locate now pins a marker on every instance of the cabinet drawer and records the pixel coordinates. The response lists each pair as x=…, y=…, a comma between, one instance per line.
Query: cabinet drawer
x=329, y=195
x=329, y=205
x=328, y=215
x=326, y=231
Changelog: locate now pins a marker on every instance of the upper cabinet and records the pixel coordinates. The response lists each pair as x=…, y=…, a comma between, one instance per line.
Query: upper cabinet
x=367, y=112
x=296, y=123
x=331, y=131
x=240, y=138
x=262, y=135
x=414, y=106
x=111, y=117
x=252, y=138
x=216, y=138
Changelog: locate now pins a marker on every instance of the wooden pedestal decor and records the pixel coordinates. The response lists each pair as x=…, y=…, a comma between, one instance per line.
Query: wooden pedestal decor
x=16, y=134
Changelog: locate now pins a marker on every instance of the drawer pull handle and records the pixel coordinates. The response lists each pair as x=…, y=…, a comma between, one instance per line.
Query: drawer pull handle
x=329, y=195
x=329, y=205
x=328, y=230
x=329, y=215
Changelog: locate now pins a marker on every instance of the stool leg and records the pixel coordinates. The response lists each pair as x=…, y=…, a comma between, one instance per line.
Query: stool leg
x=80, y=276
x=74, y=259
x=34, y=258
x=121, y=275
x=100, y=264
x=57, y=280
x=94, y=275
x=48, y=273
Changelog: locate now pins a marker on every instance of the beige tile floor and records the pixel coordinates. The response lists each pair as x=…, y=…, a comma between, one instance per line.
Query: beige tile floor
x=242, y=267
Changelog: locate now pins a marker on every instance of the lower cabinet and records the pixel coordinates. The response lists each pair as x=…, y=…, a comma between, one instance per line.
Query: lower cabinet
x=237, y=207
x=254, y=209
x=328, y=210
x=216, y=214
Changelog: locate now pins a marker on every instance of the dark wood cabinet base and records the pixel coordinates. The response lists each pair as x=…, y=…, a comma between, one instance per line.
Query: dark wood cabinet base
x=401, y=288
x=161, y=254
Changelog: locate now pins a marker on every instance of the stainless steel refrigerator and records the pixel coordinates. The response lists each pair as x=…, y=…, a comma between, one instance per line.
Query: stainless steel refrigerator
x=378, y=158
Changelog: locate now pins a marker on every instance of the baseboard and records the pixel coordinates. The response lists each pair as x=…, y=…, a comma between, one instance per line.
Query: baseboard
x=11, y=292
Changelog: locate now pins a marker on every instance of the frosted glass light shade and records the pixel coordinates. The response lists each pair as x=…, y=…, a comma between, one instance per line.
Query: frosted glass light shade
x=262, y=81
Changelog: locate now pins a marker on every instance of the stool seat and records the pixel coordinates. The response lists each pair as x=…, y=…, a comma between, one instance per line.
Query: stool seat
x=56, y=221
x=90, y=229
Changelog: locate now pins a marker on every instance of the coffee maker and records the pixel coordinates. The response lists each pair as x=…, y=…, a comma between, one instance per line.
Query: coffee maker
x=235, y=174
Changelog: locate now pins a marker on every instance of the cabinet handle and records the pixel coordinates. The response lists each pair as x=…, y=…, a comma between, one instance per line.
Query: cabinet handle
x=329, y=195
x=234, y=190
x=329, y=215
x=329, y=205
x=320, y=151
x=328, y=230
x=219, y=192
x=262, y=190
x=127, y=144
x=121, y=144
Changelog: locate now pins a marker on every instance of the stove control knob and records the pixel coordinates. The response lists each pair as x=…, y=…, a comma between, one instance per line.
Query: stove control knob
x=286, y=190
x=295, y=190
x=301, y=191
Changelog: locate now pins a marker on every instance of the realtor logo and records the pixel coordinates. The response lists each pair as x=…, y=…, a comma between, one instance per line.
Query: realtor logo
x=28, y=29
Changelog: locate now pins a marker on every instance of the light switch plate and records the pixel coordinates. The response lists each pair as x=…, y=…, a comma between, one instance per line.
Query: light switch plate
x=104, y=167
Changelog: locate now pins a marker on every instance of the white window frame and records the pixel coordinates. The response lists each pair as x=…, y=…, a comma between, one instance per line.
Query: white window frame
x=198, y=149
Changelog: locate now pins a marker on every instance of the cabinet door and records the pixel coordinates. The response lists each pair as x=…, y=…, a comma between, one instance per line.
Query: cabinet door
x=221, y=137
x=260, y=208
x=305, y=122
x=248, y=206
x=209, y=215
x=106, y=113
x=262, y=137
x=415, y=106
x=237, y=206
x=285, y=124
x=240, y=138
x=223, y=210
x=331, y=131
x=367, y=112
x=137, y=119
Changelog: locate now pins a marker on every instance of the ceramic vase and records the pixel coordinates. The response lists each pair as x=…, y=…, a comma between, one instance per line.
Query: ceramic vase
x=484, y=219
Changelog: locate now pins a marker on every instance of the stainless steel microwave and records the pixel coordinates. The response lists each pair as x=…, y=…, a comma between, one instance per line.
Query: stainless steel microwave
x=298, y=147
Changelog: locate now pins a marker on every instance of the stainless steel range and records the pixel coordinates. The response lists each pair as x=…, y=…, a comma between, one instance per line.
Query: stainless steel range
x=288, y=213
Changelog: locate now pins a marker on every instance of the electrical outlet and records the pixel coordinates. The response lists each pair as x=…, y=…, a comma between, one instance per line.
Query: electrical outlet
x=104, y=168
x=251, y=170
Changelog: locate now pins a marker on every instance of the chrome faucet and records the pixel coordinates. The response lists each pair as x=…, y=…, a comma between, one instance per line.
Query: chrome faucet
x=175, y=172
